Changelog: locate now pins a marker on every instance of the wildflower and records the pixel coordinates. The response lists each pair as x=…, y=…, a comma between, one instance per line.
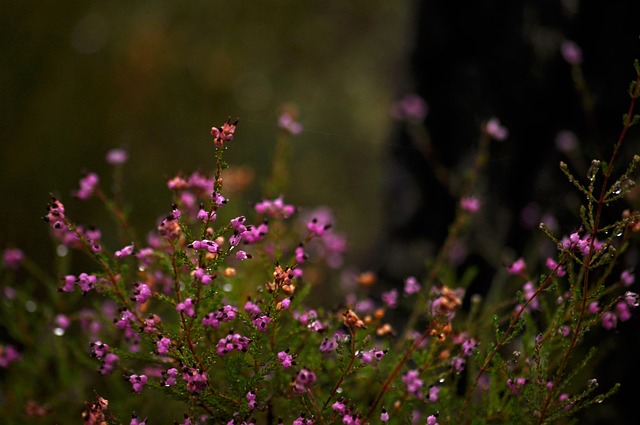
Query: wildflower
x=301, y=257
x=135, y=421
x=432, y=420
x=371, y=355
x=304, y=379
x=495, y=130
x=339, y=406
x=317, y=228
x=446, y=304
x=288, y=123
x=529, y=295
x=413, y=382
x=609, y=320
x=411, y=286
x=515, y=385
x=196, y=380
x=328, y=344
x=142, y=293
x=163, y=345
x=518, y=267
x=468, y=346
x=203, y=215
x=232, y=342
x=631, y=299
x=433, y=393
x=627, y=277
x=99, y=350
x=261, y=323
x=55, y=214
x=622, y=311
x=169, y=377
x=117, y=156
x=201, y=275
x=384, y=415
x=8, y=355
x=224, y=133
x=124, y=252
x=169, y=227
x=594, y=308
x=411, y=107
x=187, y=307
x=88, y=185
x=552, y=265
x=458, y=364
x=87, y=282
x=242, y=255
x=252, y=309
x=206, y=245
x=12, y=258
x=275, y=208
x=251, y=399
x=69, y=283
x=286, y=359
x=470, y=204
x=108, y=364
x=137, y=382
x=571, y=52
x=390, y=298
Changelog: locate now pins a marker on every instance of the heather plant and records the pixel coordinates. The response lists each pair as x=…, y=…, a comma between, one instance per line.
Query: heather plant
x=217, y=309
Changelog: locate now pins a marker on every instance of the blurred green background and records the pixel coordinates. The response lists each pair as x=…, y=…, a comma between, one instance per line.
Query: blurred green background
x=80, y=78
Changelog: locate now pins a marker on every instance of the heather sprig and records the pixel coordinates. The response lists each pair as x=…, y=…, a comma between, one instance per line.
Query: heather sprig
x=216, y=308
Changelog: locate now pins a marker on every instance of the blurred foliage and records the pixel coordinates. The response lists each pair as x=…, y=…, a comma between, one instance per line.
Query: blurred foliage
x=153, y=76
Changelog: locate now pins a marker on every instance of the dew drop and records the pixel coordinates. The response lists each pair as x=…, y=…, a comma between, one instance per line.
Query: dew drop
x=616, y=188
x=227, y=287
x=58, y=331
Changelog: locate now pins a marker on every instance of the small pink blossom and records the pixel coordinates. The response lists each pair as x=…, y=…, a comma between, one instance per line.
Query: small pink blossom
x=495, y=130
x=571, y=52
x=470, y=204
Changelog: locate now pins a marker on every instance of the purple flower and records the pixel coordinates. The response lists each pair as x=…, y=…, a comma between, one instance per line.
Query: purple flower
x=495, y=130
x=470, y=204
x=88, y=185
x=390, y=298
x=411, y=286
x=627, y=277
x=304, y=379
x=275, y=209
x=117, y=156
x=571, y=52
x=163, y=345
x=261, y=323
x=12, y=258
x=137, y=382
x=517, y=267
x=286, y=359
x=124, y=252
x=187, y=307
x=142, y=293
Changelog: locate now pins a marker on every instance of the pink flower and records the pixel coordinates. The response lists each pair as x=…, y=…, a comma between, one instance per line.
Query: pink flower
x=518, y=267
x=571, y=52
x=495, y=130
x=470, y=204
x=117, y=156
x=411, y=107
